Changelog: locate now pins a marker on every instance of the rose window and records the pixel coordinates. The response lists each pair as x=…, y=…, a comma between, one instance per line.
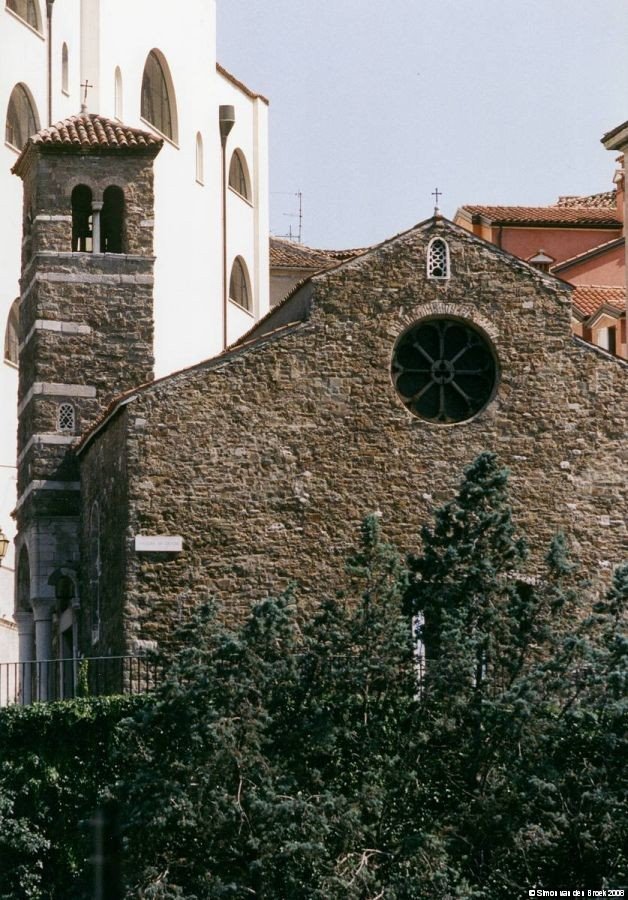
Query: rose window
x=444, y=370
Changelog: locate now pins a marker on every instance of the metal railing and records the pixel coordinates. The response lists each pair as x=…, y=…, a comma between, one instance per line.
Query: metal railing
x=62, y=679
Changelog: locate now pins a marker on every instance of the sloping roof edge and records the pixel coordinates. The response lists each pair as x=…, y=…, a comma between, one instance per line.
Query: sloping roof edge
x=214, y=362
x=241, y=85
x=616, y=138
x=599, y=250
x=433, y=221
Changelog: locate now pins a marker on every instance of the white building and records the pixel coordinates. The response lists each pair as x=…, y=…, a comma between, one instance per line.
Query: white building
x=148, y=65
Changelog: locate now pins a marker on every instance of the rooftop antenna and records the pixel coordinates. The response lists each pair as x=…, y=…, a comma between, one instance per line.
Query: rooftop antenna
x=297, y=215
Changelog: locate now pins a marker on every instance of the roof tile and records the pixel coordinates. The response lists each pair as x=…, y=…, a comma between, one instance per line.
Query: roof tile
x=547, y=215
x=286, y=254
x=605, y=200
x=588, y=298
x=88, y=131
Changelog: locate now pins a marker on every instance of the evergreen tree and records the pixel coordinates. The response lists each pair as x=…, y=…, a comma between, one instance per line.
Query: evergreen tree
x=311, y=756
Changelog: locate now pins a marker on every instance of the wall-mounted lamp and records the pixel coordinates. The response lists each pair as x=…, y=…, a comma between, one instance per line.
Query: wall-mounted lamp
x=4, y=545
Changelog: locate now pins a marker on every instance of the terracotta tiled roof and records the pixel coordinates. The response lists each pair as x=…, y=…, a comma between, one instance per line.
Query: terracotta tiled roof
x=290, y=255
x=286, y=254
x=88, y=131
x=588, y=298
x=240, y=84
x=605, y=200
x=547, y=215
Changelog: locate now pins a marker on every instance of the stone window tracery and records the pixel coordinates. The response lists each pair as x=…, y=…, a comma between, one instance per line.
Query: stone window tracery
x=444, y=370
x=22, y=120
x=66, y=418
x=438, y=259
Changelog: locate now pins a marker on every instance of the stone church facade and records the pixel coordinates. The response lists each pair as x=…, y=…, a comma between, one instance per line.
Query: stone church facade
x=368, y=389
x=263, y=460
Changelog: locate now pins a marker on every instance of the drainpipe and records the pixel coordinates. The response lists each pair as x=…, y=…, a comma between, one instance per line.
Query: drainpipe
x=226, y=118
x=49, y=5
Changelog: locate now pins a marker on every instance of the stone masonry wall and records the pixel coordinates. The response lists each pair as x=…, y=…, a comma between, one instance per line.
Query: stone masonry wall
x=267, y=459
x=104, y=481
x=86, y=319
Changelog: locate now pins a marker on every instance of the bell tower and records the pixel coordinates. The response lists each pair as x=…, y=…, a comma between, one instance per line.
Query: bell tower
x=86, y=334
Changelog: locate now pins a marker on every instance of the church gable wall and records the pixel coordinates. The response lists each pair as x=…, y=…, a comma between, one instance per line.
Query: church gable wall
x=266, y=462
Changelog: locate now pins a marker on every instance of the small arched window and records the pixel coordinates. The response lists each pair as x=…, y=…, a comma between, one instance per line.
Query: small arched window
x=22, y=119
x=112, y=220
x=438, y=259
x=66, y=418
x=239, y=288
x=11, y=335
x=82, y=219
x=117, y=94
x=65, y=77
x=158, y=103
x=27, y=10
x=238, y=175
x=200, y=166
x=94, y=569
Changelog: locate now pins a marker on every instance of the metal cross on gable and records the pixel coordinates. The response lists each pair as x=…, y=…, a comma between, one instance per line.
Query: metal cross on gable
x=86, y=87
x=436, y=194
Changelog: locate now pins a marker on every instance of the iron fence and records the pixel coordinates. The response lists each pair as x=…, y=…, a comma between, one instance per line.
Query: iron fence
x=62, y=679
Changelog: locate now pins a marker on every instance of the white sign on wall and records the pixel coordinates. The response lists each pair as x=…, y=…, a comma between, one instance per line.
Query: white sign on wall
x=158, y=543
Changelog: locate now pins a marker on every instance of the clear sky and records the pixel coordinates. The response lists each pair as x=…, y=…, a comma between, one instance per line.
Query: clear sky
x=375, y=104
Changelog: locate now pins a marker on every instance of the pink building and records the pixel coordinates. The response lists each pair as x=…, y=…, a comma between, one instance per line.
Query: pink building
x=580, y=240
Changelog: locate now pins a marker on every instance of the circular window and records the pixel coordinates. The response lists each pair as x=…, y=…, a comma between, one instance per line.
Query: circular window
x=444, y=370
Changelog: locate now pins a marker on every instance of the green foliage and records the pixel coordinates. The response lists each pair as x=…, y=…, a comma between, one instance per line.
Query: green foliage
x=302, y=756
x=55, y=760
x=305, y=753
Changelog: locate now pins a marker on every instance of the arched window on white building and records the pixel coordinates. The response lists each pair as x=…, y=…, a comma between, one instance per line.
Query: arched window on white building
x=11, y=335
x=239, y=285
x=438, y=259
x=239, y=179
x=28, y=10
x=158, y=100
x=117, y=94
x=65, y=76
x=200, y=162
x=22, y=120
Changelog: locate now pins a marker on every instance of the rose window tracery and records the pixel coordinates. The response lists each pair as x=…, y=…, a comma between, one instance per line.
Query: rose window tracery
x=444, y=370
